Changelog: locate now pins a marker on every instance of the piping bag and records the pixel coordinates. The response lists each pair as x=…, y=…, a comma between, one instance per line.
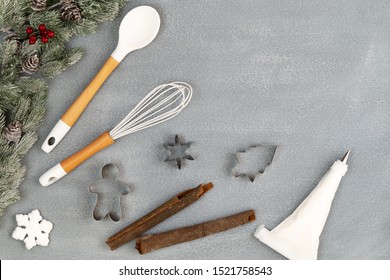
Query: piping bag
x=297, y=237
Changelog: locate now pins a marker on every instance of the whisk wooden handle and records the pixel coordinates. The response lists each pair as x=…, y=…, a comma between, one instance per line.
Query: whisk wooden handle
x=103, y=141
x=67, y=165
x=76, y=109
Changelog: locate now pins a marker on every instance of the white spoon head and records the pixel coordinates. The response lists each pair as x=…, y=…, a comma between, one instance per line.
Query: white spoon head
x=138, y=29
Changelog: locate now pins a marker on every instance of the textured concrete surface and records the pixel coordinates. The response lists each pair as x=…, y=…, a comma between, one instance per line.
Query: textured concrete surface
x=310, y=76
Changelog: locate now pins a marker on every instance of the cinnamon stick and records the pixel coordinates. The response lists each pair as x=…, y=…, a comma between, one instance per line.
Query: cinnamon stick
x=158, y=215
x=152, y=242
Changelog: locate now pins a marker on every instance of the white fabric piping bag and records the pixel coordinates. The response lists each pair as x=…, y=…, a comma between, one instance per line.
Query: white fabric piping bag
x=297, y=237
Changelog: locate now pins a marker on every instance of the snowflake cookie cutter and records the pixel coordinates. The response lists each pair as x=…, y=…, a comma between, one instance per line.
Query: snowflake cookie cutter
x=32, y=229
x=253, y=162
x=109, y=191
x=177, y=151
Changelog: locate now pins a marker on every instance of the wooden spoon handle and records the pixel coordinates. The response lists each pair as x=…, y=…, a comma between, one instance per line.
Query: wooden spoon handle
x=76, y=109
x=78, y=106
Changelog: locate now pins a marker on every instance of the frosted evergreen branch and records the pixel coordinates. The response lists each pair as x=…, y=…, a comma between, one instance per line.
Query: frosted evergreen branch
x=23, y=96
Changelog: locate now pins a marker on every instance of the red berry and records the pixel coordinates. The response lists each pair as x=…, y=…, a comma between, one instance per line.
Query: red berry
x=29, y=30
x=43, y=33
x=32, y=41
x=33, y=37
x=50, y=34
x=42, y=27
x=44, y=39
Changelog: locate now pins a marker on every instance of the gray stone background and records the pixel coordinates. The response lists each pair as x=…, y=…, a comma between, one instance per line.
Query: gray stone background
x=310, y=76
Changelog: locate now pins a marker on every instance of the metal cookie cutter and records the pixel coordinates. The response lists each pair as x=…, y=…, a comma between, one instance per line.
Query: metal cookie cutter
x=253, y=161
x=109, y=191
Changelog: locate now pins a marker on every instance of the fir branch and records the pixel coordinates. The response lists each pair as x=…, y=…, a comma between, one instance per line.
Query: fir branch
x=72, y=56
x=12, y=14
x=52, y=68
x=25, y=143
x=9, y=62
x=100, y=10
x=10, y=182
x=21, y=111
x=85, y=27
x=50, y=53
x=9, y=95
x=30, y=85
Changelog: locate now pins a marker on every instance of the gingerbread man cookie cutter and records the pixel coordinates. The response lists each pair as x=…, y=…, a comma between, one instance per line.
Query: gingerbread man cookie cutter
x=109, y=191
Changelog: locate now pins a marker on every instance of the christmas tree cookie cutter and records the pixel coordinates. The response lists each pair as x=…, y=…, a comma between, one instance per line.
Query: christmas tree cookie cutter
x=109, y=191
x=253, y=162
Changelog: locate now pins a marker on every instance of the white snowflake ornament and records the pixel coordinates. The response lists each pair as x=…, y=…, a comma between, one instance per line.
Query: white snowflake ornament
x=32, y=229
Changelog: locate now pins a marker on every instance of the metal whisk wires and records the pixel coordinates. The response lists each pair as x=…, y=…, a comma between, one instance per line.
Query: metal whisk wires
x=161, y=104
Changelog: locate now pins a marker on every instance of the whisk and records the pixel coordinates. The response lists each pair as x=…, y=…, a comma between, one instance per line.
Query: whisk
x=161, y=104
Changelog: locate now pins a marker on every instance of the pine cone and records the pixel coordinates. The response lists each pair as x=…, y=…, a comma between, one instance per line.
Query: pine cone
x=31, y=64
x=38, y=5
x=70, y=11
x=12, y=36
x=13, y=131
